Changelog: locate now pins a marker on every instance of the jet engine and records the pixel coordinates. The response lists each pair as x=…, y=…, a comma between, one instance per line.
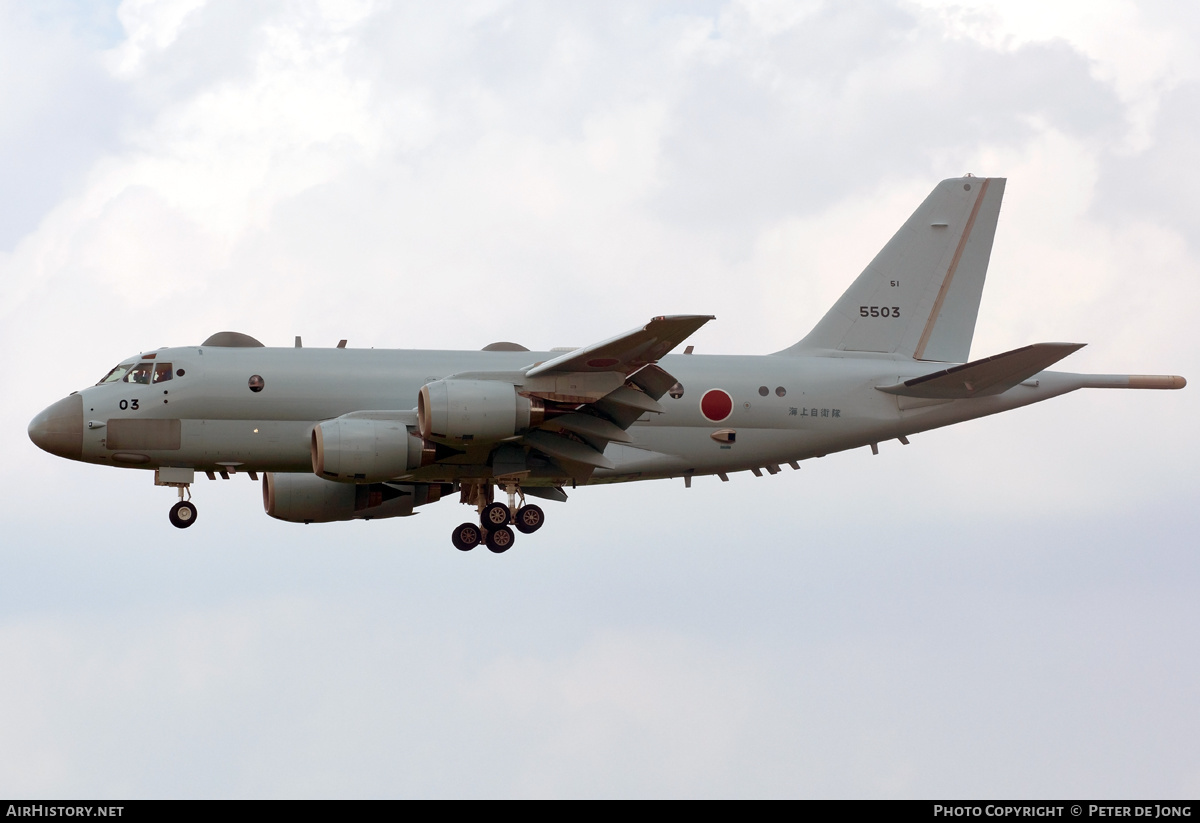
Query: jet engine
x=478, y=410
x=357, y=450
x=306, y=498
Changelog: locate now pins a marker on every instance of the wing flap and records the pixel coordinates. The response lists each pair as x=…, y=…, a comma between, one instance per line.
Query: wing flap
x=591, y=426
x=567, y=449
x=989, y=376
x=546, y=493
x=631, y=398
x=653, y=380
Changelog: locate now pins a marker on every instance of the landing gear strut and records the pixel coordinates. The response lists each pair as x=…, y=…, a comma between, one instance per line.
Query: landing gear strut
x=183, y=513
x=495, y=519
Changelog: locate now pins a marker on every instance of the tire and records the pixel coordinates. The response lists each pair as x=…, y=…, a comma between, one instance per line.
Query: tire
x=465, y=537
x=183, y=514
x=500, y=539
x=494, y=514
x=530, y=518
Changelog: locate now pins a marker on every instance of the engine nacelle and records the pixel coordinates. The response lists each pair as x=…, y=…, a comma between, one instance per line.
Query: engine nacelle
x=306, y=498
x=356, y=450
x=475, y=410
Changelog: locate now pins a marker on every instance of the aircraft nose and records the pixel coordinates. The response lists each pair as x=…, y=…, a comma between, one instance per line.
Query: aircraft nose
x=59, y=428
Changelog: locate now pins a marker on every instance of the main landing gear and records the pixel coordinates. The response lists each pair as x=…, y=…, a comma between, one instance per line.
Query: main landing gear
x=495, y=520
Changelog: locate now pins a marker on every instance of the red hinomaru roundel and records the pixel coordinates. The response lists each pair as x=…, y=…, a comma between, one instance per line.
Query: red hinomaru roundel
x=716, y=405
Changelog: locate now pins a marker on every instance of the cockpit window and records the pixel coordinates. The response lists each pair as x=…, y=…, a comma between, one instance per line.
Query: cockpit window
x=139, y=373
x=162, y=373
x=116, y=374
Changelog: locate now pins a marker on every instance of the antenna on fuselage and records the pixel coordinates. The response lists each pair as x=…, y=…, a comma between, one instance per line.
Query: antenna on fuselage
x=299, y=345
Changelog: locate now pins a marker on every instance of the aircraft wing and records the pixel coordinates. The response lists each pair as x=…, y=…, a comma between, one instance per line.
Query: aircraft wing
x=615, y=382
x=626, y=352
x=989, y=376
x=592, y=396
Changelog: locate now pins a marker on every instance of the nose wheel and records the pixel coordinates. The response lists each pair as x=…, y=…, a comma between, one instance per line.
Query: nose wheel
x=183, y=514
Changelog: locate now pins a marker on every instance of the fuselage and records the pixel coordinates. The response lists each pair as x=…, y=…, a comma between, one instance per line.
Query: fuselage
x=253, y=409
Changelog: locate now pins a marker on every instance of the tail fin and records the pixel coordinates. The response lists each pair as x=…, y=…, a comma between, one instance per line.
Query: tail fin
x=920, y=295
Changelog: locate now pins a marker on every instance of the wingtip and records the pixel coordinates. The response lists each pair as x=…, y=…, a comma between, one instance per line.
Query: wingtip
x=661, y=317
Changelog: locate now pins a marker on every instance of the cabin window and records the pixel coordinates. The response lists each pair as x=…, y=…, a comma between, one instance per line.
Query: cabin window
x=115, y=374
x=139, y=374
x=256, y=383
x=162, y=373
x=676, y=391
x=780, y=391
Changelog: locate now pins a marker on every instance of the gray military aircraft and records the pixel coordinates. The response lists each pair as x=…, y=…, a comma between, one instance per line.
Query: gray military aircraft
x=336, y=436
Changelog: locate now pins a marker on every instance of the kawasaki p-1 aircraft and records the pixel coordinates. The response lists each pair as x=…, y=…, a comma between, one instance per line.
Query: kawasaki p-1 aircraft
x=343, y=434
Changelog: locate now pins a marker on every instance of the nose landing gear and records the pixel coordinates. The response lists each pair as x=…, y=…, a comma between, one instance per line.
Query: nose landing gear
x=183, y=513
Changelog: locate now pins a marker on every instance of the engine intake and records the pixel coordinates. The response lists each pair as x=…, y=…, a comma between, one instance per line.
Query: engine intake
x=357, y=450
x=475, y=410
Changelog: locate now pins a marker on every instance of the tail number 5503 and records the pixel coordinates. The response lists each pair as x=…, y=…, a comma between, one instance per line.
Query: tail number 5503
x=879, y=311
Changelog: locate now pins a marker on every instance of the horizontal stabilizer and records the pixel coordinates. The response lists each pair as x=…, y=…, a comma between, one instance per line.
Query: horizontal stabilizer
x=989, y=376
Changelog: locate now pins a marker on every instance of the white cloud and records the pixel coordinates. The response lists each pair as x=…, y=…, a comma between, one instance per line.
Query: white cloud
x=1143, y=50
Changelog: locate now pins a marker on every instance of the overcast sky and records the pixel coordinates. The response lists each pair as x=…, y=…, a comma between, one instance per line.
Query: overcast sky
x=1002, y=609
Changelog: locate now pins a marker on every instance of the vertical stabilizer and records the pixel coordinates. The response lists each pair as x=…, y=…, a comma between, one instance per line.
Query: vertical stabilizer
x=920, y=295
